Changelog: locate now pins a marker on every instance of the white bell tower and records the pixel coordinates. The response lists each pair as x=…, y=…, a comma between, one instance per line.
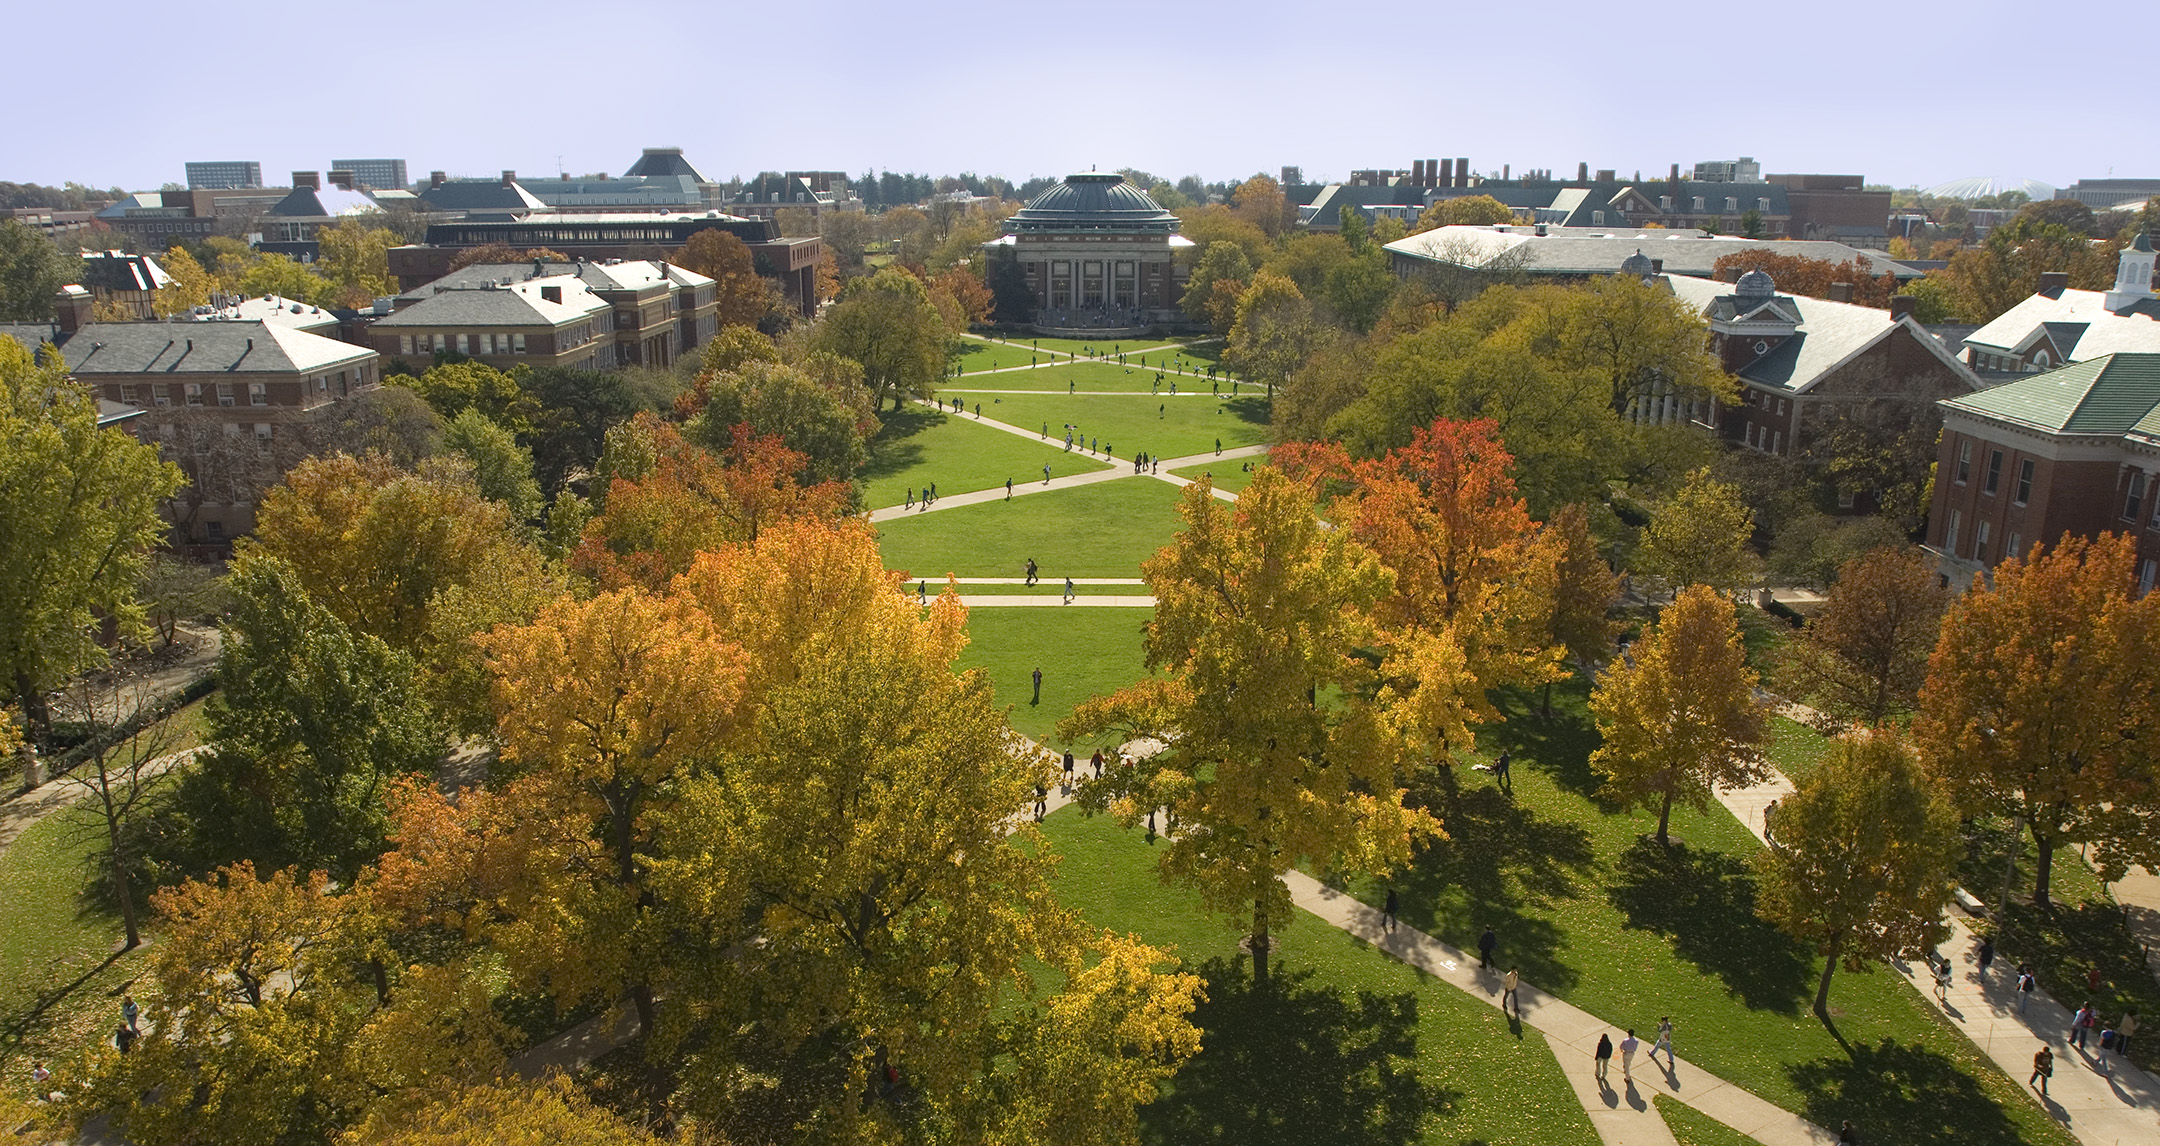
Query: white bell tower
x=2133, y=275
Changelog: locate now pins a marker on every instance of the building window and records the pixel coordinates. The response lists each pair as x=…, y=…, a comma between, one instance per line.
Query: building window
x=1994, y=472
x=194, y=393
x=224, y=394
x=517, y=344
x=1980, y=540
x=2011, y=551
x=1964, y=462
x=216, y=530
x=1847, y=499
x=127, y=394
x=262, y=431
x=258, y=394
x=1950, y=533
x=1781, y=407
x=2024, y=489
x=159, y=396
x=463, y=346
x=2147, y=570
x=1777, y=442
x=404, y=344
x=2134, y=504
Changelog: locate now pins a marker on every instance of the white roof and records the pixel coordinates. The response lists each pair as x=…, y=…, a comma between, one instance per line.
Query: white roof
x=273, y=309
x=2102, y=331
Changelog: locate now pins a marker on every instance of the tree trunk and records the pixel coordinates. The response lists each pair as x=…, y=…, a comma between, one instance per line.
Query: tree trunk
x=1259, y=941
x=1664, y=820
x=1546, y=704
x=127, y=902
x=2043, y=866
x=37, y=716
x=1822, y=989
x=641, y=995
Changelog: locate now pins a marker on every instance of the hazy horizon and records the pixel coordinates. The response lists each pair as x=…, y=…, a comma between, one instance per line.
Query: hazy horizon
x=1184, y=88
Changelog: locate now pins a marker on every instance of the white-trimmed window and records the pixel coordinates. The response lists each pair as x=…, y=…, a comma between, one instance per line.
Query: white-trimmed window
x=258, y=394
x=1964, y=462
x=1950, y=532
x=1980, y=540
x=2134, y=501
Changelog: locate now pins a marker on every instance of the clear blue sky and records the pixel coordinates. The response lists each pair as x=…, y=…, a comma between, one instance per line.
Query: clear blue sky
x=122, y=92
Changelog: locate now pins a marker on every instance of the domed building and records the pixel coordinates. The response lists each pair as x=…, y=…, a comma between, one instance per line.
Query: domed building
x=1097, y=255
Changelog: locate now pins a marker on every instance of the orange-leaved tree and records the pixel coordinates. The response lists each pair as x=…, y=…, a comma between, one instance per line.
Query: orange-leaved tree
x=2043, y=702
x=1680, y=717
x=1865, y=656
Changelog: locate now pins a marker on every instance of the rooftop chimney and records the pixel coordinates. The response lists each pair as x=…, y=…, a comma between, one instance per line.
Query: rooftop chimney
x=1582, y=173
x=1417, y=172
x=74, y=305
x=1657, y=266
x=1447, y=173
x=1901, y=306
x=2053, y=283
x=1606, y=175
x=1840, y=292
x=1462, y=171
x=508, y=178
x=308, y=179
x=436, y=179
x=341, y=179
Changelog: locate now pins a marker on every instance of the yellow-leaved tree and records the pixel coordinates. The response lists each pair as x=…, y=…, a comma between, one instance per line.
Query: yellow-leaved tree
x=1700, y=537
x=1680, y=717
x=1278, y=745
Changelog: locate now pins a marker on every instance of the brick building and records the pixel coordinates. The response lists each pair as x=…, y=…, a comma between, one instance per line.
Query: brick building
x=554, y=320
x=2058, y=325
x=659, y=311
x=1099, y=254
x=2075, y=450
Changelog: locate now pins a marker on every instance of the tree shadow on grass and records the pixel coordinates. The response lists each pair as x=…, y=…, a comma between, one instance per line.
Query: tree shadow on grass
x=1299, y=1063
x=893, y=450
x=1558, y=745
x=1251, y=409
x=1911, y=1095
x=1704, y=901
x=1499, y=858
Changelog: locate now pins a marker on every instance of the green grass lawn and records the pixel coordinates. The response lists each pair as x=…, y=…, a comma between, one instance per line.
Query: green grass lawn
x=1083, y=653
x=1796, y=749
x=1348, y=1047
x=1595, y=912
x=1080, y=347
x=1691, y=1127
x=1130, y=423
x=1102, y=530
x=1229, y=476
x=919, y=446
x=1051, y=587
x=1084, y=377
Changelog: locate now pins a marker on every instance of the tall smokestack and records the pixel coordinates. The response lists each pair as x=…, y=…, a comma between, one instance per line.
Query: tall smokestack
x=1582, y=172
x=1447, y=173
x=1432, y=173
x=1462, y=171
x=1417, y=172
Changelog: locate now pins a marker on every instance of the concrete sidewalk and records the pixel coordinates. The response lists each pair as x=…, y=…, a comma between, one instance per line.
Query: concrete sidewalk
x=1053, y=601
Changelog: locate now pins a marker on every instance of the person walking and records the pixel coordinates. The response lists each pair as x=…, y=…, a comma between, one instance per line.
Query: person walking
x=124, y=1038
x=1501, y=773
x=1387, y=913
x=1508, y=997
x=2123, y=1030
x=910, y=497
x=1046, y=473
x=1847, y=1136
x=130, y=1012
x=2025, y=987
x=1097, y=762
x=1942, y=982
x=2043, y=1068
x=1068, y=591
x=1038, y=687
x=1986, y=955
x=1604, y=1057
x=1008, y=489
x=1068, y=770
x=1769, y=809
x=1664, y=1041
x=1032, y=569
x=1628, y=1047
x=2081, y=1024
x=1218, y=447
x=922, y=592
x=1042, y=800
x=1485, y=945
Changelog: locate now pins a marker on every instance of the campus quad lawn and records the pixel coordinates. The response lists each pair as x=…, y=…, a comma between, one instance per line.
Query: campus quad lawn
x=1101, y=530
x=1592, y=910
x=1691, y=1127
x=1082, y=377
x=1052, y=587
x=1229, y=475
x=1188, y=424
x=1082, y=653
x=1348, y=1048
x=1079, y=347
x=919, y=446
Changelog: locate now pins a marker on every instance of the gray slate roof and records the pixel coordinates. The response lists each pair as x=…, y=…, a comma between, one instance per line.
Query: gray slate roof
x=1583, y=252
x=165, y=348
x=1829, y=335
x=2136, y=329
x=517, y=304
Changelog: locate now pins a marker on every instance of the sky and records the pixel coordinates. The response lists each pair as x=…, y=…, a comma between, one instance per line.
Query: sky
x=1909, y=95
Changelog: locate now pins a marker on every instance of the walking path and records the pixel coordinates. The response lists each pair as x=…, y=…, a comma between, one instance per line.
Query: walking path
x=19, y=814
x=1622, y=1112
x=2102, y=1104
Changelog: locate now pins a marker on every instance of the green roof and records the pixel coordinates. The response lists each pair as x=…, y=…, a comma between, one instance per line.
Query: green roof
x=2112, y=394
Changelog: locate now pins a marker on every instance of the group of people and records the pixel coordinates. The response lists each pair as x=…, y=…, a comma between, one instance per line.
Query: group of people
x=929, y=495
x=1628, y=1047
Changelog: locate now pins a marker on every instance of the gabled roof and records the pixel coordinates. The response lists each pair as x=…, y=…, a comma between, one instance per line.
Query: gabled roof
x=479, y=195
x=1830, y=334
x=658, y=193
x=517, y=303
x=116, y=270
x=2111, y=394
x=321, y=203
x=609, y=274
x=2135, y=329
x=160, y=348
x=1599, y=251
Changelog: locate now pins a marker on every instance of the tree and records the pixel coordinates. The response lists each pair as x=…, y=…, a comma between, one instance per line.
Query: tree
x=1358, y=291
x=966, y=287
x=1699, y=537
x=1216, y=223
x=32, y=271
x=356, y=260
x=1274, y=332
x=287, y=278
x=1642, y=341
x=78, y=520
x=502, y=469
x=191, y=287
x=1278, y=748
x=1864, y=858
x=2069, y=214
x=126, y=753
x=829, y=421
x=1465, y=211
x=2042, y=702
x=1584, y=591
x=1802, y=275
x=503, y=254
x=576, y=409
x=551, y=1112
x=1012, y=300
x=1212, y=290
x=1260, y=201
x=1984, y=281
x=1865, y=655
x=887, y=323
x=1680, y=718
x=745, y=298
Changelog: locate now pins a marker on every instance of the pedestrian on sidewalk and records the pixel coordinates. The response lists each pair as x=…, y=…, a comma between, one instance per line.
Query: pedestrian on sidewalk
x=1097, y=762
x=2043, y=1068
x=1769, y=809
x=2123, y=1030
x=1387, y=913
x=2081, y=1024
x=1942, y=982
x=1628, y=1046
x=130, y=1012
x=1987, y=955
x=1604, y=1056
x=1042, y=800
x=1068, y=770
x=1046, y=473
x=910, y=497
x=1507, y=991
x=922, y=591
x=124, y=1038
x=1847, y=1136
x=2026, y=985
x=1038, y=686
x=1008, y=489
x=1218, y=447
x=1485, y=944
x=1068, y=591
x=1664, y=1041
x=1031, y=570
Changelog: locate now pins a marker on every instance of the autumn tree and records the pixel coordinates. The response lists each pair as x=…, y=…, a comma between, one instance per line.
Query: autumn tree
x=1679, y=718
x=1700, y=537
x=1801, y=275
x=1585, y=589
x=823, y=412
x=1260, y=201
x=1216, y=282
x=451, y=388
x=191, y=287
x=551, y=1112
x=2042, y=703
x=1864, y=657
x=503, y=254
x=1465, y=211
x=125, y=755
x=1642, y=341
x=965, y=285
x=32, y=271
x=502, y=470
x=1864, y=858
x=1474, y=577
x=78, y=520
x=1274, y=332
x=1984, y=281
x=271, y=273
x=745, y=298
x=886, y=322
x=1279, y=746
x=356, y=260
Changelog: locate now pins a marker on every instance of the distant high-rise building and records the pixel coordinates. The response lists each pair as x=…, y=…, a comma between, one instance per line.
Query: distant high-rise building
x=381, y=174
x=1741, y=170
x=1293, y=176
x=224, y=174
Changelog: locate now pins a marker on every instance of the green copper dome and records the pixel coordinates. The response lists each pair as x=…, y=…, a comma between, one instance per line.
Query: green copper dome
x=1093, y=201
